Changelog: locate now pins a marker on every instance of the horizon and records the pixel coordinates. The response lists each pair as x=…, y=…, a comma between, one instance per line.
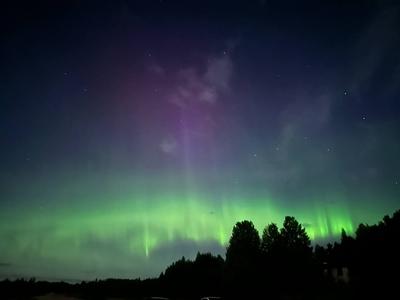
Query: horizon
x=138, y=132
x=191, y=256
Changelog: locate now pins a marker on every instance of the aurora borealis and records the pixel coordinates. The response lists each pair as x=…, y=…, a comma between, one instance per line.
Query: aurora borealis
x=137, y=132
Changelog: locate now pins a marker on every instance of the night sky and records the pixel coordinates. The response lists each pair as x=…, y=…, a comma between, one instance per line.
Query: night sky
x=135, y=133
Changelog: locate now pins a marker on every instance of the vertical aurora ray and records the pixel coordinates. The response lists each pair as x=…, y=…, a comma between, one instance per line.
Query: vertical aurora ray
x=90, y=237
x=126, y=144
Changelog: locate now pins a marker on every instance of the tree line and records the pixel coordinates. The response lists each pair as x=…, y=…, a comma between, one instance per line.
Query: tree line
x=278, y=264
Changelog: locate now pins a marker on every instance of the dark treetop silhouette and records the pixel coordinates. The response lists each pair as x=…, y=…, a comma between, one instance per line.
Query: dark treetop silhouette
x=282, y=262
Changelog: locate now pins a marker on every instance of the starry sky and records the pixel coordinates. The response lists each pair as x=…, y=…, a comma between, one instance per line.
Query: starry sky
x=135, y=132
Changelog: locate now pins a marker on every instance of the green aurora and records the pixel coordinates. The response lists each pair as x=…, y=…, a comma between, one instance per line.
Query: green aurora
x=137, y=132
x=106, y=238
